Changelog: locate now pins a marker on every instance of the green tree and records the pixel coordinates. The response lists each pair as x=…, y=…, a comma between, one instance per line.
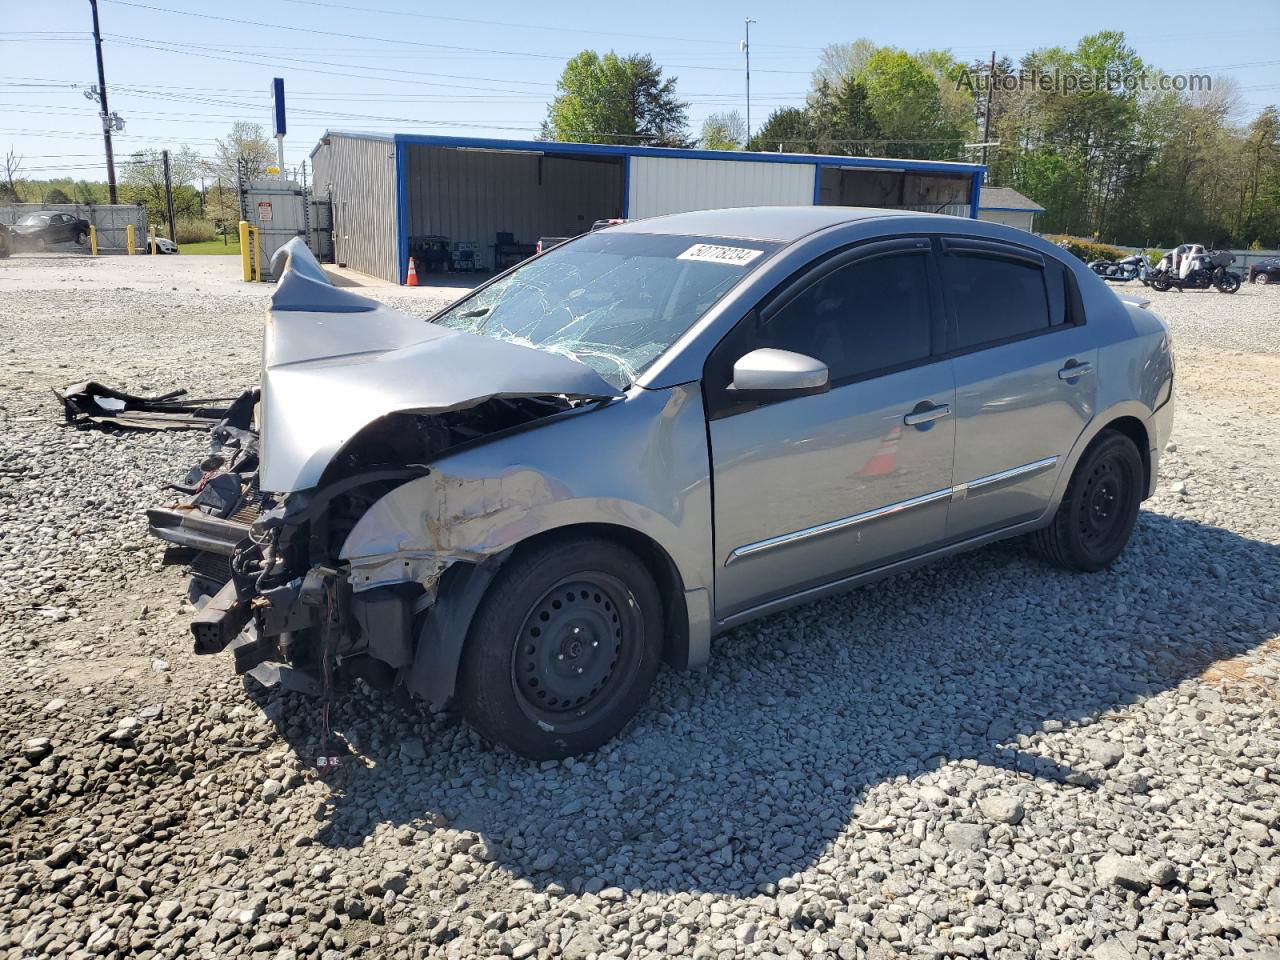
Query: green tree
x=611, y=99
x=906, y=104
x=56, y=195
x=144, y=182
x=660, y=117
x=787, y=130
x=723, y=131
x=842, y=120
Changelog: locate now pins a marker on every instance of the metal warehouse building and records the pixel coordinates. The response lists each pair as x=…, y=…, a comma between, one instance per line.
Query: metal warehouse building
x=388, y=194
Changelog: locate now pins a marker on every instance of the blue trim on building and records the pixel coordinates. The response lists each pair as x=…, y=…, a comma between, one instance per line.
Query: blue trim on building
x=1036, y=210
x=554, y=148
x=976, y=192
x=402, y=217
x=626, y=187
x=817, y=186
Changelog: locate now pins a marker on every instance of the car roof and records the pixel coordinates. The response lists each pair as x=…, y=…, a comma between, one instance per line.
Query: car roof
x=757, y=223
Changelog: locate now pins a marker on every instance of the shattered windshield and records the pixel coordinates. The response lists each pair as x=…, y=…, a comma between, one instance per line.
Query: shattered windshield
x=614, y=301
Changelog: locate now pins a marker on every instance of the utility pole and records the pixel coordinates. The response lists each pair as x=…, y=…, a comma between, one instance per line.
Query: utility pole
x=168, y=197
x=746, y=49
x=105, y=113
x=986, y=120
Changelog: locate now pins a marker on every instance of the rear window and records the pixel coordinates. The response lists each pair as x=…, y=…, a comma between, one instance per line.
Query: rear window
x=614, y=301
x=991, y=299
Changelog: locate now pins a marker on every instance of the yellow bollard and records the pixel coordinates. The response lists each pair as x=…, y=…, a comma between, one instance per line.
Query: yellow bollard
x=151, y=239
x=245, y=266
x=128, y=239
x=257, y=255
x=93, y=240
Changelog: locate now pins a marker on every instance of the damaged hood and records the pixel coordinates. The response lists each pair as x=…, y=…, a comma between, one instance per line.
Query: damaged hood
x=334, y=362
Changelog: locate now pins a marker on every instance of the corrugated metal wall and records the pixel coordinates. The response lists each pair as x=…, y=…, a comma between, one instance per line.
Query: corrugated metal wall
x=359, y=176
x=471, y=195
x=674, y=185
x=1010, y=218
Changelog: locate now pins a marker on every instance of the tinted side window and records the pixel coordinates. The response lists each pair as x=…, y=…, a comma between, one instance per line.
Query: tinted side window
x=990, y=298
x=869, y=315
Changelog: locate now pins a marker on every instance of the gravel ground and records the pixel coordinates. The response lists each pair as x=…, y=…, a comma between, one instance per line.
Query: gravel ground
x=983, y=758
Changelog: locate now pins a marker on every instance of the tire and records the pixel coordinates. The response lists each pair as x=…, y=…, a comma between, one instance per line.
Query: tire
x=1229, y=283
x=81, y=239
x=1160, y=283
x=1097, y=514
x=1262, y=279
x=563, y=649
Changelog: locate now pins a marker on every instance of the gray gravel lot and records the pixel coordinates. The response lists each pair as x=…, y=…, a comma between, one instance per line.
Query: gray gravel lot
x=986, y=757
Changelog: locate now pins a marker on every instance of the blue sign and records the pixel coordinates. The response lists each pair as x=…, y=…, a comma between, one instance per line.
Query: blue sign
x=277, y=103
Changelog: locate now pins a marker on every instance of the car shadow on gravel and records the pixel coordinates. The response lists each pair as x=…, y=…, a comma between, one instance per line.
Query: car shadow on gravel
x=749, y=771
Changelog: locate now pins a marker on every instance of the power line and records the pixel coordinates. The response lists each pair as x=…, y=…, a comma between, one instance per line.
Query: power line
x=577, y=31
x=377, y=39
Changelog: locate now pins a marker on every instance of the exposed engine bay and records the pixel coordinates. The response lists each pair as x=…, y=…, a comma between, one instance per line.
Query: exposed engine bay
x=266, y=569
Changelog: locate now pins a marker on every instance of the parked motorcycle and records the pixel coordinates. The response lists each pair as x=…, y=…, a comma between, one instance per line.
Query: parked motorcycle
x=1122, y=271
x=1198, y=270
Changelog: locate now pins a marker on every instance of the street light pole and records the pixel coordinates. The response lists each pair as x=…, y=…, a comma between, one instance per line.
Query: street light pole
x=746, y=49
x=106, y=112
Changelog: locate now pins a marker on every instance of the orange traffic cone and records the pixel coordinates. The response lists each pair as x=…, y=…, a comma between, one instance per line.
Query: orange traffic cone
x=412, y=279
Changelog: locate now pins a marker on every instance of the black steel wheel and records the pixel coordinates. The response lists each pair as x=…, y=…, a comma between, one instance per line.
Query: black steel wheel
x=564, y=648
x=1228, y=283
x=1099, y=509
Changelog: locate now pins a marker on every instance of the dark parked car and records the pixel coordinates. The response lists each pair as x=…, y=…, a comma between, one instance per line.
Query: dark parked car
x=41, y=229
x=1265, y=271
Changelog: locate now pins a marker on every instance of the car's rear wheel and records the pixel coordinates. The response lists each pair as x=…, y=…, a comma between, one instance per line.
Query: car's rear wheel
x=563, y=650
x=1097, y=514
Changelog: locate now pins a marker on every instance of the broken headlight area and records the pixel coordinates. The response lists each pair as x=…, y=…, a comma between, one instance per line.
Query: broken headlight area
x=266, y=568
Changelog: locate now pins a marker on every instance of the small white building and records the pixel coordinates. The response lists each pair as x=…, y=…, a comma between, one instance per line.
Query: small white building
x=390, y=194
x=1006, y=205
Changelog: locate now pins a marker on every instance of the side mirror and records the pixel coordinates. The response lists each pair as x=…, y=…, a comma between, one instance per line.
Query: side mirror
x=771, y=374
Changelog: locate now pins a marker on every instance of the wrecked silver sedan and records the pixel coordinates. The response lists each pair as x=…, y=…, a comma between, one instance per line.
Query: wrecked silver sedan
x=648, y=435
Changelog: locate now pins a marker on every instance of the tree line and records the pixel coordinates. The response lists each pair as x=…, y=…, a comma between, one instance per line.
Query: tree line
x=1136, y=161
x=204, y=187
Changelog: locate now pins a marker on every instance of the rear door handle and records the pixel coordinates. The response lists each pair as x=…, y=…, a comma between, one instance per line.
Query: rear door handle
x=918, y=416
x=1072, y=371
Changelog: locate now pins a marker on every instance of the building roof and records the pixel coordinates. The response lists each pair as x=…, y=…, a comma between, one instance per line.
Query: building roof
x=783, y=224
x=553, y=147
x=1007, y=199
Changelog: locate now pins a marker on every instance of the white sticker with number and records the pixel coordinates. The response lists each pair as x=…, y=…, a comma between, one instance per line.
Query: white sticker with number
x=711, y=253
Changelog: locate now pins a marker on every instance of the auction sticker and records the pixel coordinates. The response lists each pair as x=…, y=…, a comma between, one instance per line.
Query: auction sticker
x=711, y=253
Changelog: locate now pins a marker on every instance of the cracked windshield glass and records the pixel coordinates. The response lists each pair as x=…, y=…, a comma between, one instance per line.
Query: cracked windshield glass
x=614, y=301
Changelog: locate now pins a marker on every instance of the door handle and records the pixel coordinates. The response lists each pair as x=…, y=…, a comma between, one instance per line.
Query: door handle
x=1072, y=371
x=928, y=415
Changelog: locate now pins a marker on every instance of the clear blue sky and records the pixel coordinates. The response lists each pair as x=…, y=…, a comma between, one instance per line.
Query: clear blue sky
x=488, y=69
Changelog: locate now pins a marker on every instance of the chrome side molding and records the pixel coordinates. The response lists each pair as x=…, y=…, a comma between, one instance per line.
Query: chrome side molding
x=956, y=493
x=831, y=526
x=1027, y=470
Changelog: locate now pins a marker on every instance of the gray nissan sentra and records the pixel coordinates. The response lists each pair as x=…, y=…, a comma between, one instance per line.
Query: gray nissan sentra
x=651, y=434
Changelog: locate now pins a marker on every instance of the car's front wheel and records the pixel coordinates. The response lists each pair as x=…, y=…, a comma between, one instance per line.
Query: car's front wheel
x=564, y=648
x=1263, y=279
x=1097, y=514
x=81, y=238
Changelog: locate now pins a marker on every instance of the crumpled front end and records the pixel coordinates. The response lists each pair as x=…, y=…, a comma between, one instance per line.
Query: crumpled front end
x=356, y=399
